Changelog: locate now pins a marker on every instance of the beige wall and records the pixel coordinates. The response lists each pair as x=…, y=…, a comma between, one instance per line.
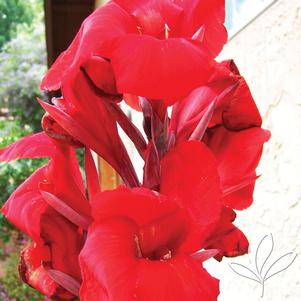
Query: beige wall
x=268, y=53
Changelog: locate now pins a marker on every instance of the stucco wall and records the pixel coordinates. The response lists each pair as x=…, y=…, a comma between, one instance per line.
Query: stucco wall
x=268, y=53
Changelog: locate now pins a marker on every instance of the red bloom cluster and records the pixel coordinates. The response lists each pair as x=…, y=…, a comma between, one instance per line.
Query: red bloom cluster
x=142, y=241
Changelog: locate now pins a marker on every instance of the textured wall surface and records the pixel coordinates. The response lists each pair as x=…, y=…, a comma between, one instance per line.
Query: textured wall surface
x=268, y=54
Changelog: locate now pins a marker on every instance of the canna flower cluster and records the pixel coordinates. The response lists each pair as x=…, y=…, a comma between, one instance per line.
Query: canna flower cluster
x=147, y=239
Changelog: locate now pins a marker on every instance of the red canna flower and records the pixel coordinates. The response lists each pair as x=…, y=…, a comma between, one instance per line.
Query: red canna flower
x=55, y=131
x=144, y=245
x=169, y=167
x=39, y=276
x=139, y=243
x=28, y=210
x=187, y=173
x=227, y=238
x=189, y=177
x=84, y=114
x=238, y=154
x=139, y=33
x=135, y=251
x=50, y=207
x=224, y=114
x=226, y=98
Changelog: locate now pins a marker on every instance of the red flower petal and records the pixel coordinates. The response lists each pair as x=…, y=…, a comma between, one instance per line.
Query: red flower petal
x=119, y=274
x=201, y=127
x=94, y=38
x=228, y=239
x=158, y=70
x=179, y=279
x=92, y=178
x=151, y=169
x=153, y=16
x=188, y=113
x=238, y=154
x=34, y=273
x=238, y=110
x=101, y=74
x=206, y=14
x=231, y=66
x=64, y=180
x=189, y=176
x=65, y=281
x=56, y=132
x=28, y=211
x=65, y=210
x=129, y=128
x=235, y=108
x=108, y=261
x=65, y=242
x=91, y=289
x=240, y=196
x=241, y=112
x=202, y=256
x=33, y=146
x=26, y=205
x=83, y=109
x=140, y=205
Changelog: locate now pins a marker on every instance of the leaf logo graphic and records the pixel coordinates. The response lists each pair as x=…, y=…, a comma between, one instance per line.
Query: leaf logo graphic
x=263, y=273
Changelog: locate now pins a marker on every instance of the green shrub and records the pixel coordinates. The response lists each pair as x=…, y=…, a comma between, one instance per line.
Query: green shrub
x=13, y=12
x=22, y=65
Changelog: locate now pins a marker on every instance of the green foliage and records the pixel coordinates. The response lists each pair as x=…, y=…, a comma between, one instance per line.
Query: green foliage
x=12, y=284
x=12, y=13
x=14, y=173
x=22, y=65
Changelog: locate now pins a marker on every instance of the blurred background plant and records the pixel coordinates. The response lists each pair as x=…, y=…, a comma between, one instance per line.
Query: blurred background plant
x=13, y=12
x=22, y=62
x=22, y=65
